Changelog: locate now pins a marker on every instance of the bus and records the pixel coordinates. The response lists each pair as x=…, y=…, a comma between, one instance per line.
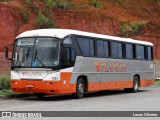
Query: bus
x=65, y=61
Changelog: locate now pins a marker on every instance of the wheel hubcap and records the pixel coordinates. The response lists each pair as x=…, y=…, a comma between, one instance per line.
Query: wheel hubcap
x=81, y=88
x=136, y=84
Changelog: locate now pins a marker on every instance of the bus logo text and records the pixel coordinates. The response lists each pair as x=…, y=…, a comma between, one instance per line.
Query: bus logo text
x=103, y=66
x=31, y=73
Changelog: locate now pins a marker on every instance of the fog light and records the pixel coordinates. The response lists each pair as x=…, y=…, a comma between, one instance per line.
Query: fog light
x=15, y=83
x=46, y=83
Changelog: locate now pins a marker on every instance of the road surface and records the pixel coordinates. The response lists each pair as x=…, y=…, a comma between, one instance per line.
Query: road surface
x=147, y=99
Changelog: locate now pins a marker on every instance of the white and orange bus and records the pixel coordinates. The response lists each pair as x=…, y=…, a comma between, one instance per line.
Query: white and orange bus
x=62, y=61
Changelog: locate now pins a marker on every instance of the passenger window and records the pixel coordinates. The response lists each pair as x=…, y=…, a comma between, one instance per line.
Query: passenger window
x=139, y=52
x=102, y=48
x=129, y=51
x=106, y=48
x=119, y=50
x=149, y=53
x=86, y=46
x=116, y=50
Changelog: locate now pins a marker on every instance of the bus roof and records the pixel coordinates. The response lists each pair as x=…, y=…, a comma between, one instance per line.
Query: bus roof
x=61, y=33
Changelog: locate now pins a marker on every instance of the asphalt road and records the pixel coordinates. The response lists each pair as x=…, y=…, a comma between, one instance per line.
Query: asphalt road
x=147, y=99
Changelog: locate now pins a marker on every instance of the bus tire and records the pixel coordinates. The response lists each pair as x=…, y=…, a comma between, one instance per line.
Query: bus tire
x=40, y=95
x=135, y=87
x=135, y=84
x=79, y=89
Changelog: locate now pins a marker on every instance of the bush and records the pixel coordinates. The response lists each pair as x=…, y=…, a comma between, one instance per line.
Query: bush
x=62, y=4
x=96, y=3
x=137, y=26
x=125, y=30
x=25, y=15
x=44, y=22
x=49, y=7
x=31, y=4
x=5, y=82
x=132, y=28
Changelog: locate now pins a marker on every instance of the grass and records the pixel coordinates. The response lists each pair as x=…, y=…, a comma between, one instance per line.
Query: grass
x=157, y=81
x=6, y=92
x=5, y=82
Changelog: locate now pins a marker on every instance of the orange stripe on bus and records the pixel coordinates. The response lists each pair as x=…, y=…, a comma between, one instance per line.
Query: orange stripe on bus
x=61, y=87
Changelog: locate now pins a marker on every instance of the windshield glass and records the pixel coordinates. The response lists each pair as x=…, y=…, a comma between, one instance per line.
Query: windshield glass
x=36, y=52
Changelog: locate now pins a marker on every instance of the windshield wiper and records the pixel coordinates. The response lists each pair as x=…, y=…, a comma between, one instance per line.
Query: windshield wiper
x=36, y=57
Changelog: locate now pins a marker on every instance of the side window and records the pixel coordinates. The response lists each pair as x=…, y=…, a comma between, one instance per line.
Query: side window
x=68, y=41
x=102, y=48
x=119, y=50
x=140, y=52
x=91, y=47
x=86, y=46
x=106, y=48
x=116, y=50
x=149, y=53
x=129, y=51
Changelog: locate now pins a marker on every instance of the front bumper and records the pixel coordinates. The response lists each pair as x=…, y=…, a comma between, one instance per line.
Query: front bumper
x=37, y=86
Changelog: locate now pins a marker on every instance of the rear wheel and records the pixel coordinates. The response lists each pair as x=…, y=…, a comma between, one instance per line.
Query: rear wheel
x=40, y=95
x=135, y=84
x=135, y=87
x=79, y=89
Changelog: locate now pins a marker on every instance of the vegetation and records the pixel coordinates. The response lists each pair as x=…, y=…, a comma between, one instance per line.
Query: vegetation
x=132, y=28
x=31, y=5
x=96, y=3
x=119, y=1
x=4, y=0
x=155, y=61
x=5, y=82
x=49, y=7
x=157, y=81
x=25, y=15
x=44, y=22
x=6, y=92
x=62, y=4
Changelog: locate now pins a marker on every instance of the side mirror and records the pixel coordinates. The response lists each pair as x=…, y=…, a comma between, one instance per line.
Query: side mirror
x=8, y=48
x=67, y=56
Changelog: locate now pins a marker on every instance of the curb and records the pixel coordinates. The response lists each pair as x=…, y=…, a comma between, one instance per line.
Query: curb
x=23, y=95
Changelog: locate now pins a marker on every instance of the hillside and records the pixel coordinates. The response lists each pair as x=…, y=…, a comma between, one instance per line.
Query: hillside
x=138, y=19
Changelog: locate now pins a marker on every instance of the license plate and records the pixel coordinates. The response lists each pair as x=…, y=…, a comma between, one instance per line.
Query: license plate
x=30, y=86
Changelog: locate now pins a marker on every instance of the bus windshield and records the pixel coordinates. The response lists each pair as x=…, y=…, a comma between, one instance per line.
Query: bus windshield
x=36, y=52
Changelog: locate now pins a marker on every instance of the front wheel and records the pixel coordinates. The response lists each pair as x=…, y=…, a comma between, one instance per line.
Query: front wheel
x=79, y=89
